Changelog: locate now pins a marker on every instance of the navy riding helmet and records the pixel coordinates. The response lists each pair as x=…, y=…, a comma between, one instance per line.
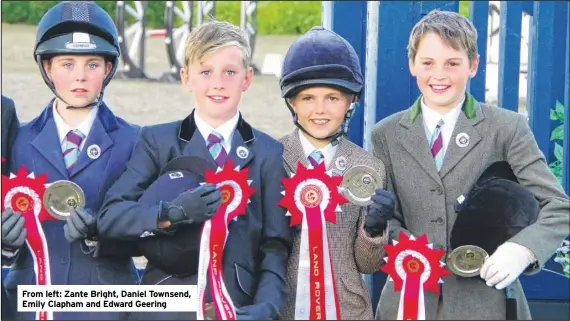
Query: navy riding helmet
x=321, y=57
x=77, y=27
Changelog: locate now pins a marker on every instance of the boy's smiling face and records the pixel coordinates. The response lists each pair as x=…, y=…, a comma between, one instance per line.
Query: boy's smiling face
x=441, y=72
x=217, y=84
x=78, y=79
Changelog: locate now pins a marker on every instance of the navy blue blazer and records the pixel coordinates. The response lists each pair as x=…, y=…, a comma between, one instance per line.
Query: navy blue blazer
x=10, y=126
x=37, y=147
x=259, y=243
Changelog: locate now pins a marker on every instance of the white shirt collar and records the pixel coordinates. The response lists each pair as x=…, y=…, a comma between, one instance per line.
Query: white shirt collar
x=226, y=129
x=85, y=126
x=431, y=117
x=328, y=151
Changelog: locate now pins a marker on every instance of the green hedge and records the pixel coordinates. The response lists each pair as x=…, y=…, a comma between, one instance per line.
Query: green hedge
x=274, y=17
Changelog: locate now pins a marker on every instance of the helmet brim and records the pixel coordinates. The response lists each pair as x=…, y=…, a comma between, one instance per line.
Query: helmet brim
x=292, y=89
x=66, y=44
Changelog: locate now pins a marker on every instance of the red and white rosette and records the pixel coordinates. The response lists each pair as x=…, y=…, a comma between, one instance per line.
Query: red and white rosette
x=312, y=197
x=23, y=193
x=414, y=266
x=236, y=192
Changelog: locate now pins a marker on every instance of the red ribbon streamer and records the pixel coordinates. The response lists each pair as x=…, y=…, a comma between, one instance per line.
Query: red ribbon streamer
x=217, y=239
x=317, y=277
x=414, y=269
x=26, y=193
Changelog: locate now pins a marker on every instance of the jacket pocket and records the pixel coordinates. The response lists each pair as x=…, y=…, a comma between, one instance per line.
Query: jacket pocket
x=245, y=281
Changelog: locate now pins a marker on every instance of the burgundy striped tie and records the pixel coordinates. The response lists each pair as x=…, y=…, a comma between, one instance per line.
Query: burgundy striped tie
x=71, y=152
x=436, y=145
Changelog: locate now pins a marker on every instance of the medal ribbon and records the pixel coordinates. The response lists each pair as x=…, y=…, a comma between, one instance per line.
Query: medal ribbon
x=214, y=235
x=27, y=201
x=413, y=265
x=412, y=308
x=235, y=191
x=316, y=297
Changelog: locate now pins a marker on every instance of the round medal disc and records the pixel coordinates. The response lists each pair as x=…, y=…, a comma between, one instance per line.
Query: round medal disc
x=62, y=196
x=466, y=260
x=359, y=184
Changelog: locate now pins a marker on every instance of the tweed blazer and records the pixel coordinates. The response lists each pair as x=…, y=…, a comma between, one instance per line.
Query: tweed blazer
x=352, y=251
x=426, y=198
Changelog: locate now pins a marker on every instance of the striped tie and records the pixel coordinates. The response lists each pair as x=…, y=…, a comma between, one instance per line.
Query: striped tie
x=216, y=149
x=316, y=157
x=73, y=140
x=436, y=145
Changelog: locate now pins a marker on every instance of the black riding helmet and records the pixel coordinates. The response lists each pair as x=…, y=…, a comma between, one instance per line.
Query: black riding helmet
x=321, y=57
x=77, y=27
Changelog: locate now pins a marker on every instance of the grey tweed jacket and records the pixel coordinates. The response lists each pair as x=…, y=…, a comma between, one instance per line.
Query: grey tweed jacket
x=426, y=198
x=352, y=250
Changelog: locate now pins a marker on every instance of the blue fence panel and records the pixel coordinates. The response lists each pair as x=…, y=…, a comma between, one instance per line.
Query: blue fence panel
x=566, y=153
x=546, y=80
x=354, y=32
x=509, y=54
x=479, y=13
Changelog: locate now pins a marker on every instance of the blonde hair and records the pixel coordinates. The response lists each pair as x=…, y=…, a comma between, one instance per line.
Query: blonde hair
x=212, y=36
x=452, y=28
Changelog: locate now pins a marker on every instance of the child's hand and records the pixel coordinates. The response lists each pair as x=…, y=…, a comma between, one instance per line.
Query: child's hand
x=13, y=230
x=81, y=224
x=194, y=206
x=379, y=212
x=505, y=265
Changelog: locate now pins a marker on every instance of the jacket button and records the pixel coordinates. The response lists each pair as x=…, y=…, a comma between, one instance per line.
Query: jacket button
x=439, y=190
x=438, y=220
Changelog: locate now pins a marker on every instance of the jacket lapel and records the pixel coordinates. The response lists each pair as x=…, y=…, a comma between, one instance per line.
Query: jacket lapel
x=48, y=145
x=98, y=141
x=341, y=160
x=416, y=143
x=464, y=134
x=240, y=155
x=98, y=137
x=47, y=140
x=293, y=151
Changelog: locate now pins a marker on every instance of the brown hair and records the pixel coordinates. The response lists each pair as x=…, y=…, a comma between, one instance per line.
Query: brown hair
x=454, y=30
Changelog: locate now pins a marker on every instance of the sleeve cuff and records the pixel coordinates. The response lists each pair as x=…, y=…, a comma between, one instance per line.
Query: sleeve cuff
x=9, y=254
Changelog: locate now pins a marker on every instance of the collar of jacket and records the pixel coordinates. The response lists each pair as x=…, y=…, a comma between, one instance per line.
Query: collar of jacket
x=188, y=127
x=105, y=115
x=468, y=107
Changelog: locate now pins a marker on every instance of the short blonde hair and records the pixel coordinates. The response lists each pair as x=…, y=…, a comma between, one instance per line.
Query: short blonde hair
x=212, y=36
x=454, y=30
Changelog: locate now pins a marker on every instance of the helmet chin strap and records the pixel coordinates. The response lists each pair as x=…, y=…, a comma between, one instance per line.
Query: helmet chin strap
x=335, y=138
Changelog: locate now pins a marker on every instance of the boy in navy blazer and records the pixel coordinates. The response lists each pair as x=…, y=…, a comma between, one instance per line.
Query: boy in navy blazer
x=76, y=138
x=216, y=70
